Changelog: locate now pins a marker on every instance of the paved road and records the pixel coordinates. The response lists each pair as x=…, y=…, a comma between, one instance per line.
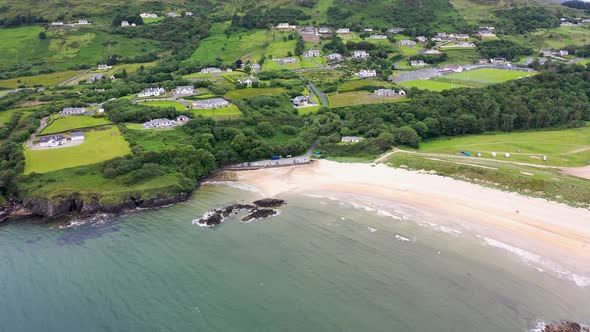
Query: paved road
x=322, y=96
x=297, y=160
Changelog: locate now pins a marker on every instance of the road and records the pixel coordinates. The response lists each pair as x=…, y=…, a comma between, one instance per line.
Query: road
x=74, y=78
x=321, y=96
x=42, y=126
x=268, y=163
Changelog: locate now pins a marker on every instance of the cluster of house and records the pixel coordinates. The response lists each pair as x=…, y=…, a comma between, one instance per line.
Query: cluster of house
x=444, y=35
x=286, y=26
x=60, y=23
x=334, y=57
x=365, y=73
x=549, y=53
x=148, y=15
x=165, y=123
x=169, y=14
x=97, y=77
x=213, y=70
x=377, y=37
x=57, y=140
x=360, y=55
x=281, y=61
x=184, y=90
x=210, y=103
x=326, y=31
x=69, y=111
x=388, y=93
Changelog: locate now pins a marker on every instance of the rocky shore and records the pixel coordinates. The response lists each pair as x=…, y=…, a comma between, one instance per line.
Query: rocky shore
x=257, y=210
x=565, y=327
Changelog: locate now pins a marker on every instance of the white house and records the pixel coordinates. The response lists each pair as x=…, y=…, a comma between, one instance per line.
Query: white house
x=334, y=57
x=286, y=26
x=395, y=30
x=485, y=33
x=172, y=14
x=83, y=22
x=417, y=63
x=77, y=136
x=301, y=101
x=436, y=39
x=498, y=60
x=351, y=139
x=463, y=44
x=151, y=92
x=246, y=81
x=52, y=141
x=401, y=93
x=343, y=30
x=57, y=23
x=211, y=70
x=323, y=31
x=284, y=60
x=368, y=30
x=124, y=23
x=422, y=39
x=563, y=53
x=433, y=52
x=255, y=66
x=312, y=54
x=188, y=14
x=159, y=123
x=364, y=73
x=487, y=28
x=68, y=111
x=210, y=103
x=451, y=69
x=95, y=78
x=185, y=90
x=459, y=36
x=103, y=66
x=377, y=37
x=360, y=55
x=148, y=15
x=308, y=30
x=384, y=93
x=406, y=42
x=182, y=119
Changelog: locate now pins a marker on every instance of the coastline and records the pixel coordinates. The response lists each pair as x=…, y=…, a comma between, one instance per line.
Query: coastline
x=535, y=229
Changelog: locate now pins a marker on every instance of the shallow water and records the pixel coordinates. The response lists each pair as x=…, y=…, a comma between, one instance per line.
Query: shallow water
x=321, y=265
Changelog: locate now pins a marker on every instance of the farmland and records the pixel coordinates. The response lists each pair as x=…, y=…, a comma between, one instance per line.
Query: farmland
x=224, y=113
x=251, y=92
x=359, y=98
x=37, y=80
x=99, y=145
x=431, y=85
x=569, y=147
x=165, y=103
x=62, y=124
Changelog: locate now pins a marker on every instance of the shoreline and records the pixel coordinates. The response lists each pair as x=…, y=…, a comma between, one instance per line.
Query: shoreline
x=545, y=229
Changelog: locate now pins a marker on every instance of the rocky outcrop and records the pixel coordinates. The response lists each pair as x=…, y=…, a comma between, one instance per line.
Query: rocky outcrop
x=76, y=205
x=566, y=327
x=269, y=202
x=11, y=207
x=259, y=214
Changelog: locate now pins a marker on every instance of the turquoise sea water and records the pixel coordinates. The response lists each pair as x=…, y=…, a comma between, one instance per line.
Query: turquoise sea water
x=321, y=265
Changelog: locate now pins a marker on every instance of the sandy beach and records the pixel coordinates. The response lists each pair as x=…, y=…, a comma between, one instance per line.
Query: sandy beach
x=545, y=233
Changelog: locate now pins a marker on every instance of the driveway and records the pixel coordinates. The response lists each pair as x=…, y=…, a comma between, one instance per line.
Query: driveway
x=322, y=96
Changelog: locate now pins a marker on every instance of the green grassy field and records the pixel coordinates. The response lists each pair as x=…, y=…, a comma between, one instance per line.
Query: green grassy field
x=431, y=85
x=360, y=98
x=100, y=145
x=6, y=115
x=156, y=140
x=562, y=147
x=532, y=181
x=62, y=124
x=224, y=113
x=308, y=110
x=487, y=75
x=353, y=84
x=460, y=56
x=252, y=92
x=165, y=103
x=43, y=79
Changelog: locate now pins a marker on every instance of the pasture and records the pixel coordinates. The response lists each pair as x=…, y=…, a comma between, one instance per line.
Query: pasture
x=223, y=113
x=165, y=103
x=487, y=75
x=51, y=79
x=570, y=147
x=355, y=83
x=431, y=85
x=253, y=92
x=360, y=98
x=62, y=124
x=99, y=145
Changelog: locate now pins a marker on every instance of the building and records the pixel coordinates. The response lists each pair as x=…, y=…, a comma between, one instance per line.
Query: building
x=148, y=15
x=406, y=42
x=351, y=139
x=487, y=28
x=68, y=111
x=546, y=52
x=210, y=70
x=417, y=63
x=459, y=36
x=284, y=60
x=498, y=60
x=451, y=69
x=401, y=92
x=301, y=101
x=77, y=136
x=124, y=24
x=395, y=30
x=343, y=30
x=334, y=57
x=360, y=55
x=210, y=103
x=255, y=66
x=463, y=44
x=422, y=39
x=324, y=31
x=95, y=78
x=312, y=54
x=286, y=26
x=103, y=66
x=377, y=37
x=368, y=30
x=172, y=14
x=182, y=119
x=151, y=92
x=185, y=90
x=308, y=30
x=159, y=123
x=431, y=52
x=52, y=141
x=57, y=23
x=442, y=35
x=83, y=22
x=485, y=33
x=188, y=14
x=482, y=61
x=246, y=81
x=364, y=73
x=384, y=93
x=563, y=53
x=436, y=39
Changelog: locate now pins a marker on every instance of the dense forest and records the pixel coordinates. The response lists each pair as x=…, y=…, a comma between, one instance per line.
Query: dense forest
x=526, y=18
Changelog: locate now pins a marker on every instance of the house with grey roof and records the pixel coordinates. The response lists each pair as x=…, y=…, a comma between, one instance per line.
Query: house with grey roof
x=95, y=78
x=360, y=55
x=301, y=101
x=384, y=93
x=211, y=70
x=77, y=136
x=351, y=139
x=210, y=103
x=185, y=90
x=52, y=140
x=151, y=92
x=159, y=123
x=312, y=54
x=68, y=111
x=334, y=57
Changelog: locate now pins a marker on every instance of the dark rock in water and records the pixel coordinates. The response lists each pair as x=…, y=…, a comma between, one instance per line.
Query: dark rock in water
x=269, y=202
x=259, y=214
x=236, y=208
x=566, y=327
x=215, y=217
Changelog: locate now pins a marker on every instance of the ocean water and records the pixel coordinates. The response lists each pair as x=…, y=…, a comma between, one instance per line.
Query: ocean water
x=321, y=265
